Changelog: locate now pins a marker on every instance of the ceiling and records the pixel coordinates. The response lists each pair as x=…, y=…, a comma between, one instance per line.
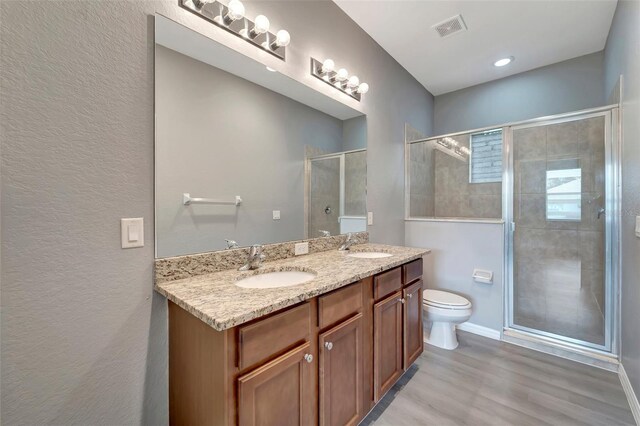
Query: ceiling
x=535, y=32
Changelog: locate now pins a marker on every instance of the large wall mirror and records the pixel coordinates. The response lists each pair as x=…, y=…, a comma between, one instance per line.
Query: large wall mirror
x=248, y=155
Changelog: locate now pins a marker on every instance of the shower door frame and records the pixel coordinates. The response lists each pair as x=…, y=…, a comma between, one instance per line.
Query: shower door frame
x=307, y=189
x=612, y=220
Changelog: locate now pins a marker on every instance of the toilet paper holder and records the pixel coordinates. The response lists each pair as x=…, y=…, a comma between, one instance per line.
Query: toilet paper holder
x=482, y=276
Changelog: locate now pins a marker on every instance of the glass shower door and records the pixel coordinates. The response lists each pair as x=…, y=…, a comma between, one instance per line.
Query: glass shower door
x=324, y=195
x=560, y=232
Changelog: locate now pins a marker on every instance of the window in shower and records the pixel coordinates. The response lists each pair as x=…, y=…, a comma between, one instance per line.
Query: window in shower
x=486, y=157
x=564, y=194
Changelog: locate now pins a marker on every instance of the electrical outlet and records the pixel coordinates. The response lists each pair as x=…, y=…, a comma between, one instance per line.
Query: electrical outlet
x=276, y=215
x=301, y=248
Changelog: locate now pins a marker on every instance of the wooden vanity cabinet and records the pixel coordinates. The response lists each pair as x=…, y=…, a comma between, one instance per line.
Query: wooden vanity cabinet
x=279, y=392
x=398, y=339
x=341, y=373
x=412, y=324
x=325, y=361
x=387, y=342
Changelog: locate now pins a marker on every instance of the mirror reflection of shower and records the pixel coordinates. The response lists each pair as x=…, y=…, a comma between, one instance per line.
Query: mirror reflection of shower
x=336, y=193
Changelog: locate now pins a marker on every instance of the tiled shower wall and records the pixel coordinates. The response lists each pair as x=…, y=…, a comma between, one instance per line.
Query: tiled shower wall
x=559, y=265
x=422, y=178
x=440, y=185
x=455, y=196
x=324, y=192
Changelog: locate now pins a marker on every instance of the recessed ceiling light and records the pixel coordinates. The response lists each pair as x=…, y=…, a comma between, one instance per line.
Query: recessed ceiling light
x=504, y=61
x=270, y=69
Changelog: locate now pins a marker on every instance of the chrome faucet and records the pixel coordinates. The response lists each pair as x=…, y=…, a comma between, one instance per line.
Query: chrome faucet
x=347, y=243
x=254, y=259
x=324, y=233
x=231, y=244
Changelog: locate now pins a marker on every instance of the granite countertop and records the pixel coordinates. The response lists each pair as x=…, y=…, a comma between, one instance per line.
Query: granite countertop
x=216, y=300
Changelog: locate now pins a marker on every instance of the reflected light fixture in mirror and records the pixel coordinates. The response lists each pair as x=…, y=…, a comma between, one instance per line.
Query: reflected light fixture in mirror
x=340, y=79
x=232, y=18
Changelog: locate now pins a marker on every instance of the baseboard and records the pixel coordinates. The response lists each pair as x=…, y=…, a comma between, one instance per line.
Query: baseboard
x=479, y=330
x=631, y=395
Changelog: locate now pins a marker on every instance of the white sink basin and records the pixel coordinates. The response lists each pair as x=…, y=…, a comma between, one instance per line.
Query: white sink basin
x=276, y=279
x=369, y=255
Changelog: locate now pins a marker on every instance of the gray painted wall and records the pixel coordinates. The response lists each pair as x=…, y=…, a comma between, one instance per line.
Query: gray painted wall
x=354, y=133
x=458, y=248
x=243, y=140
x=622, y=57
x=566, y=86
x=83, y=333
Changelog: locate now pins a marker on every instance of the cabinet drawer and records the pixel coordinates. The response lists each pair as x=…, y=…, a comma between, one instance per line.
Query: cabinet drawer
x=339, y=304
x=386, y=283
x=411, y=271
x=265, y=338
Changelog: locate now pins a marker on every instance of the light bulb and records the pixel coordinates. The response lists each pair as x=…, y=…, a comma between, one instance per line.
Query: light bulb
x=282, y=38
x=363, y=88
x=342, y=74
x=504, y=61
x=236, y=10
x=328, y=66
x=354, y=81
x=261, y=25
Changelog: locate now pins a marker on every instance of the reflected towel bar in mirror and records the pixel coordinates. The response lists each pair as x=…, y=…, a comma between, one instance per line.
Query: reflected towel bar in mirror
x=188, y=200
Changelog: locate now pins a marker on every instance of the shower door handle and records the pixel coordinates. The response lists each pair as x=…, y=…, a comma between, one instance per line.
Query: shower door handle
x=601, y=212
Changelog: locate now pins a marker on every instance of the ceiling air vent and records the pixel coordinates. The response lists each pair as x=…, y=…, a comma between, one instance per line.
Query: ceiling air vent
x=450, y=26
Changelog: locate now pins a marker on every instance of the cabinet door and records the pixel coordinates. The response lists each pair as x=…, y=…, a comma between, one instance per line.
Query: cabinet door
x=341, y=373
x=280, y=392
x=387, y=343
x=413, y=340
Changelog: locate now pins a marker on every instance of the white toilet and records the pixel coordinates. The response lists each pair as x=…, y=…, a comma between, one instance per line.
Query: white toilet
x=444, y=310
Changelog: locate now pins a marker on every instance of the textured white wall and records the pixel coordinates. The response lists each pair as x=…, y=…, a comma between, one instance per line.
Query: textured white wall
x=622, y=57
x=83, y=334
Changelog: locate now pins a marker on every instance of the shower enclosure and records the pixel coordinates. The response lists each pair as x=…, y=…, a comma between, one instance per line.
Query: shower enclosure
x=336, y=193
x=554, y=181
x=561, y=181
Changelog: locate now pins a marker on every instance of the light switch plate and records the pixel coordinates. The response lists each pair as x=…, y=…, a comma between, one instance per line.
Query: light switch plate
x=276, y=215
x=638, y=226
x=132, y=232
x=301, y=248
x=370, y=218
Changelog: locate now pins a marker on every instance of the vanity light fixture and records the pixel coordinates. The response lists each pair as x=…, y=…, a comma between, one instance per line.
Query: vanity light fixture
x=504, y=61
x=232, y=18
x=339, y=79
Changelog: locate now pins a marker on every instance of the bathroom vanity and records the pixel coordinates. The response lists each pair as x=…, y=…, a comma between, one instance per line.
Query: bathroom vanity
x=323, y=352
x=267, y=164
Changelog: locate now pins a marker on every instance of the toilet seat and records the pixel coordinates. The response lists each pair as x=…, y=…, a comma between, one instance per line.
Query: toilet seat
x=444, y=300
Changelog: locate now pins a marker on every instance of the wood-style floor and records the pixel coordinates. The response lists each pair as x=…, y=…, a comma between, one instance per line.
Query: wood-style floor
x=486, y=382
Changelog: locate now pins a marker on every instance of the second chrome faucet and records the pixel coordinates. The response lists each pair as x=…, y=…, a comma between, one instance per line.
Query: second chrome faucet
x=254, y=259
x=347, y=243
